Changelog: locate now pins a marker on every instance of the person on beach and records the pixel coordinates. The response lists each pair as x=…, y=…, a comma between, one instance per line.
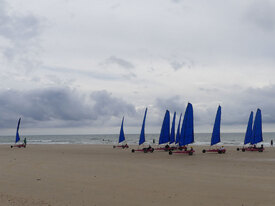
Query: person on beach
x=271, y=142
x=25, y=141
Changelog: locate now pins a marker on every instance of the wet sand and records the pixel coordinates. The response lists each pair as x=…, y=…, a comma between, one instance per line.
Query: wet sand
x=100, y=175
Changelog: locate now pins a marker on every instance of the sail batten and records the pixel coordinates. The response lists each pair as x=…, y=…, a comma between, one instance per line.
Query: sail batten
x=142, y=133
x=172, y=136
x=216, y=134
x=121, y=134
x=165, y=129
x=249, y=132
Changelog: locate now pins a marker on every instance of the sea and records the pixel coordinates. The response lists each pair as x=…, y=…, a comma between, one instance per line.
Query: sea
x=132, y=139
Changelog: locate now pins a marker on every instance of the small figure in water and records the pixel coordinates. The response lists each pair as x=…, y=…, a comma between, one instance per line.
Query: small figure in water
x=271, y=142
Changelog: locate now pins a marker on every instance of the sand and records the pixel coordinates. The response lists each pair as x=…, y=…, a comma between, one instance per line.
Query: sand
x=100, y=175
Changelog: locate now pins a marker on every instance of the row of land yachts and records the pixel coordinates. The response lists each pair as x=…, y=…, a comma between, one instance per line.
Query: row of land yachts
x=177, y=142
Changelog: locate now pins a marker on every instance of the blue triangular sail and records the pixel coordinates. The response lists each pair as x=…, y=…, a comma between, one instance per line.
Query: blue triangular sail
x=187, y=129
x=216, y=134
x=178, y=131
x=17, y=138
x=165, y=129
x=172, y=136
x=142, y=133
x=257, y=128
x=121, y=134
x=249, y=133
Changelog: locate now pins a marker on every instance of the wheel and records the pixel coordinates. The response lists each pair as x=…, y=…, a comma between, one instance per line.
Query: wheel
x=243, y=150
x=190, y=153
x=114, y=146
x=133, y=150
x=170, y=152
x=203, y=151
x=152, y=150
x=11, y=146
x=185, y=149
x=219, y=151
x=238, y=149
x=145, y=150
x=24, y=146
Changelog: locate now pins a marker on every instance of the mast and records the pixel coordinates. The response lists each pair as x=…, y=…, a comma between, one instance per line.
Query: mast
x=249, y=132
x=187, y=129
x=165, y=129
x=257, y=128
x=178, y=131
x=142, y=133
x=172, y=136
x=121, y=134
x=216, y=134
x=17, y=138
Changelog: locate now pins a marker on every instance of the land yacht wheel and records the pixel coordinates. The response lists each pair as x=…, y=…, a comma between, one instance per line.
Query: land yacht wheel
x=133, y=150
x=203, y=151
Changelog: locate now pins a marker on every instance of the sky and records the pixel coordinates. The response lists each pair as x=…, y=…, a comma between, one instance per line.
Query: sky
x=78, y=67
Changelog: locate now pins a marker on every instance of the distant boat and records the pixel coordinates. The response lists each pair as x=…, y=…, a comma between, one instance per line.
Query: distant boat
x=121, y=137
x=142, y=137
x=216, y=134
x=255, y=135
x=187, y=131
x=17, y=137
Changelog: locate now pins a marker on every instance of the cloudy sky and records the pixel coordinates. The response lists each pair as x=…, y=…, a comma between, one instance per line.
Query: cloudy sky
x=79, y=66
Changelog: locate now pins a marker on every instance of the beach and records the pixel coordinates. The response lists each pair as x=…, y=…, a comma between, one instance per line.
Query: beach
x=72, y=174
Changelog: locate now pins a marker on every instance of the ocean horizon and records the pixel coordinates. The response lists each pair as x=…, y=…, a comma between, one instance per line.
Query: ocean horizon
x=132, y=139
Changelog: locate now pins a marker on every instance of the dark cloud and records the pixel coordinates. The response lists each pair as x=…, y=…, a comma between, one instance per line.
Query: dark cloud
x=173, y=104
x=262, y=14
x=20, y=32
x=120, y=62
x=61, y=107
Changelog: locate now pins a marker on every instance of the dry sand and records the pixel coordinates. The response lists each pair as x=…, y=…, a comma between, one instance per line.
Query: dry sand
x=100, y=175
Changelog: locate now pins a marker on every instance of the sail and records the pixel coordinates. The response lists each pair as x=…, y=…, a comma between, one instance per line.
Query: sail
x=187, y=129
x=165, y=129
x=216, y=134
x=257, y=128
x=172, y=136
x=248, y=134
x=142, y=133
x=178, y=131
x=17, y=138
x=121, y=134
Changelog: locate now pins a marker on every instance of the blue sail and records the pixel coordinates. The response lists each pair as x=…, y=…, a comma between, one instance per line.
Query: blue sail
x=172, y=136
x=121, y=134
x=17, y=138
x=165, y=129
x=178, y=131
x=187, y=129
x=257, y=128
x=216, y=134
x=142, y=133
x=248, y=134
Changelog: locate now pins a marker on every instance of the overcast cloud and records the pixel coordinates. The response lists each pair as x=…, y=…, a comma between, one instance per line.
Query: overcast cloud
x=70, y=64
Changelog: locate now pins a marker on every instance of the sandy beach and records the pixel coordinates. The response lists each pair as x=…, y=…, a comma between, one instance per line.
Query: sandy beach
x=100, y=175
